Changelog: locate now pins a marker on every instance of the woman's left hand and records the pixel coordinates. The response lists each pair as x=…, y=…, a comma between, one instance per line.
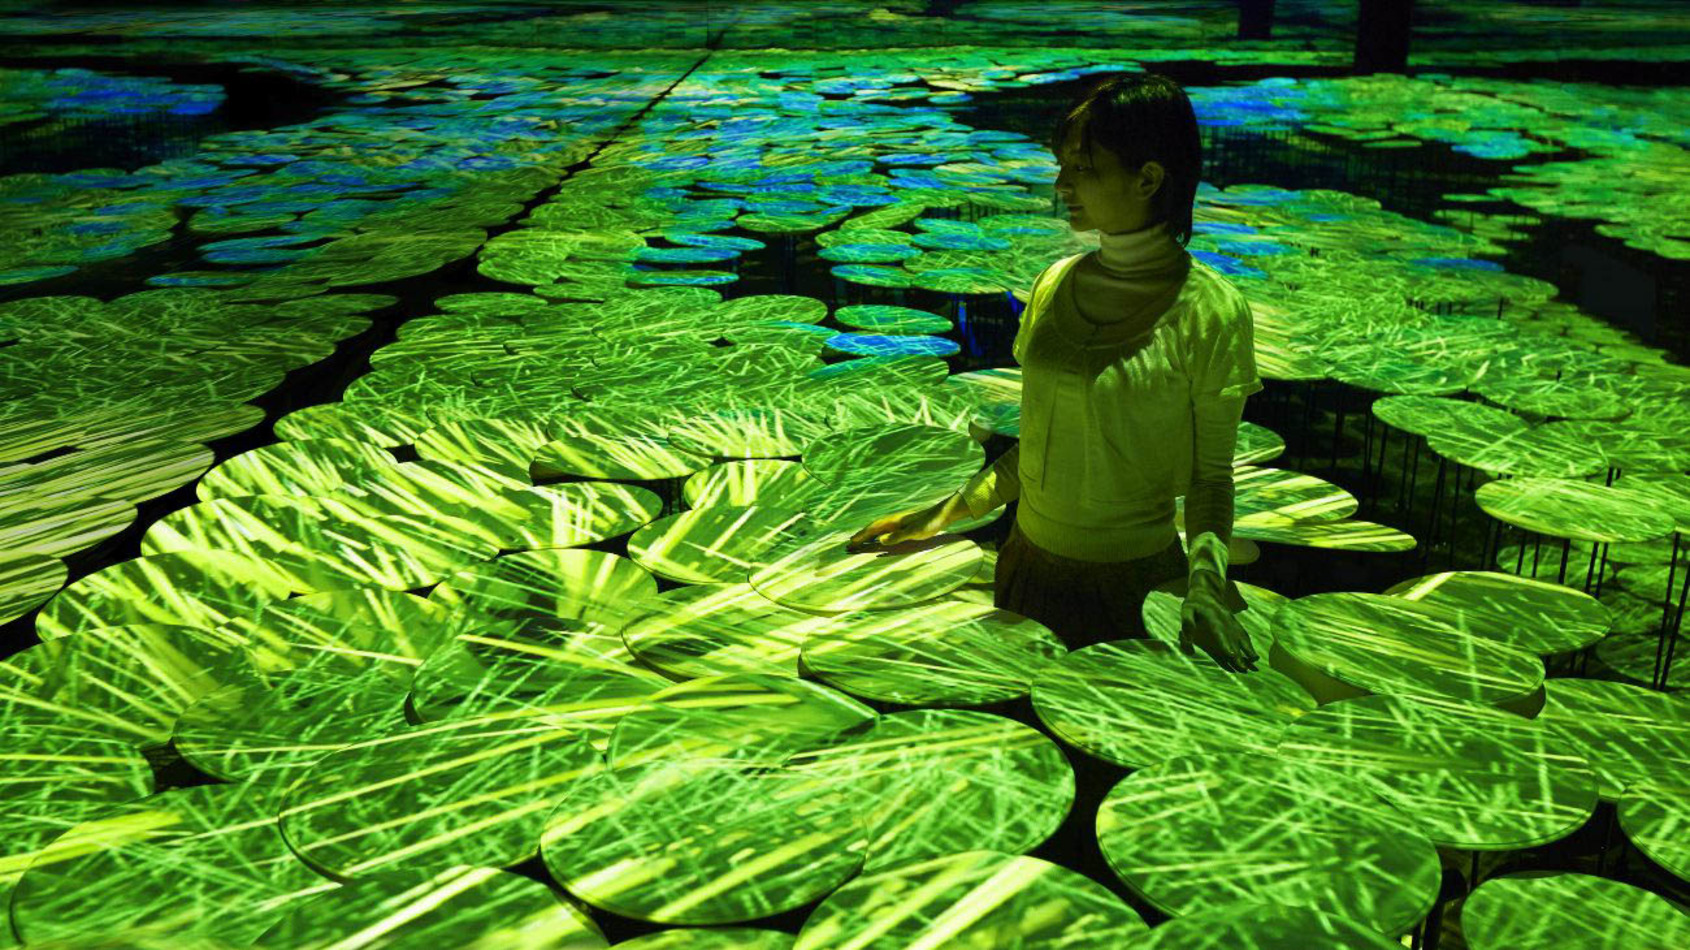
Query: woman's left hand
x=1207, y=624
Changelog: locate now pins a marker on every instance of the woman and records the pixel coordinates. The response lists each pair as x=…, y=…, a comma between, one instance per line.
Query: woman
x=1136, y=363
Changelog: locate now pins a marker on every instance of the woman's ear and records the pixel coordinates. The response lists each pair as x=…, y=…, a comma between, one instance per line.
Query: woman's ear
x=1150, y=178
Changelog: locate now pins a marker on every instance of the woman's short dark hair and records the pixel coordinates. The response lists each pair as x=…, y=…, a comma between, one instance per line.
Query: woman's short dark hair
x=1144, y=117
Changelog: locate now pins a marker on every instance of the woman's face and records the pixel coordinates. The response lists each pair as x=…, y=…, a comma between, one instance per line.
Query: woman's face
x=1100, y=194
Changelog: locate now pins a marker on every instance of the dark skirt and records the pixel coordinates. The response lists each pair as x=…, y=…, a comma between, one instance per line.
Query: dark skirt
x=1083, y=602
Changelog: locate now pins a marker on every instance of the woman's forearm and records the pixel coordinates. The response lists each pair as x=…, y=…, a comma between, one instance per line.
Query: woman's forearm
x=1208, y=529
x=997, y=484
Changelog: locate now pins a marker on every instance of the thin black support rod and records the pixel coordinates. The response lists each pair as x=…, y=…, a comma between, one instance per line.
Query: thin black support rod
x=1382, y=34
x=1255, y=19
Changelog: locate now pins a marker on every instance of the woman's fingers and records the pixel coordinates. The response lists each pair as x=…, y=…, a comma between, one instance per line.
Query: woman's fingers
x=874, y=530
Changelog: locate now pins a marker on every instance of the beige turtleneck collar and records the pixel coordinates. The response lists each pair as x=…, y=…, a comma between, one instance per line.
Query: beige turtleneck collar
x=1121, y=291
x=1145, y=253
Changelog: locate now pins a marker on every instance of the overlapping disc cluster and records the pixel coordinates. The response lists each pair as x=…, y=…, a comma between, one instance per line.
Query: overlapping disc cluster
x=546, y=621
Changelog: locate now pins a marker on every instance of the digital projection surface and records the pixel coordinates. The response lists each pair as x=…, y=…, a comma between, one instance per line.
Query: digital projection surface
x=423, y=518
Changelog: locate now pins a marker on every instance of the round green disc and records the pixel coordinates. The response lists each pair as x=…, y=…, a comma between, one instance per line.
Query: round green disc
x=1569, y=398
x=274, y=733
x=1273, y=495
x=745, y=433
x=1398, y=647
x=53, y=526
x=945, y=652
x=1532, y=615
x=53, y=777
x=51, y=768
x=741, y=482
x=1653, y=815
x=456, y=907
x=726, y=938
x=131, y=472
x=484, y=504
x=203, y=861
x=506, y=445
x=928, y=782
x=566, y=673
x=374, y=424
x=255, y=526
x=205, y=589
x=1318, y=838
x=1138, y=702
x=718, y=544
x=629, y=457
x=27, y=581
x=773, y=306
x=307, y=467
x=393, y=552
x=431, y=797
x=569, y=583
x=696, y=843
x=127, y=683
x=912, y=453
x=1347, y=535
x=818, y=574
x=719, y=629
x=752, y=717
x=1629, y=734
x=972, y=899
x=366, y=636
x=1582, y=511
x=1264, y=927
x=876, y=318
x=1570, y=912
x=1472, y=777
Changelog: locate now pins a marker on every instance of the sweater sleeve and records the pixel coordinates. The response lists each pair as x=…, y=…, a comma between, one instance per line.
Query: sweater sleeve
x=997, y=484
x=1209, y=503
x=1000, y=483
x=1222, y=352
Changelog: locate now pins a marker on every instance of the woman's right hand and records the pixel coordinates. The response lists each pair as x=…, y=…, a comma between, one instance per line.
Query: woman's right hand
x=914, y=525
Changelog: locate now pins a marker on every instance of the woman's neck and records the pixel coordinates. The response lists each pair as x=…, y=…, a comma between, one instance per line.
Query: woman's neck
x=1148, y=250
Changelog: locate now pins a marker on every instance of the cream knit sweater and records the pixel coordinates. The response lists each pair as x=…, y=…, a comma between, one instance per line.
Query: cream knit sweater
x=1136, y=364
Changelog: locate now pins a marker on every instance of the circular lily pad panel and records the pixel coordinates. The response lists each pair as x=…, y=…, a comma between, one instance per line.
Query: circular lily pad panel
x=204, y=589
x=975, y=898
x=1264, y=927
x=1375, y=643
x=456, y=907
x=192, y=862
x=129, y=683
x=1472, y=777
x=907, y=452
x=945, y=652
x=566, y=583
x=717, y=544
x=1582, y=511
x=1532, y=615
x=817, y=573
x=696, y=843
x=720, y=629
x=936, y=781
x=715, y=938
x=567, y=673
x=1138, y=702
x=746, y=716
x=1570, y=911
x=1318, y=839
x=471, y=792
x=274, y=733
x=1629, y=734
